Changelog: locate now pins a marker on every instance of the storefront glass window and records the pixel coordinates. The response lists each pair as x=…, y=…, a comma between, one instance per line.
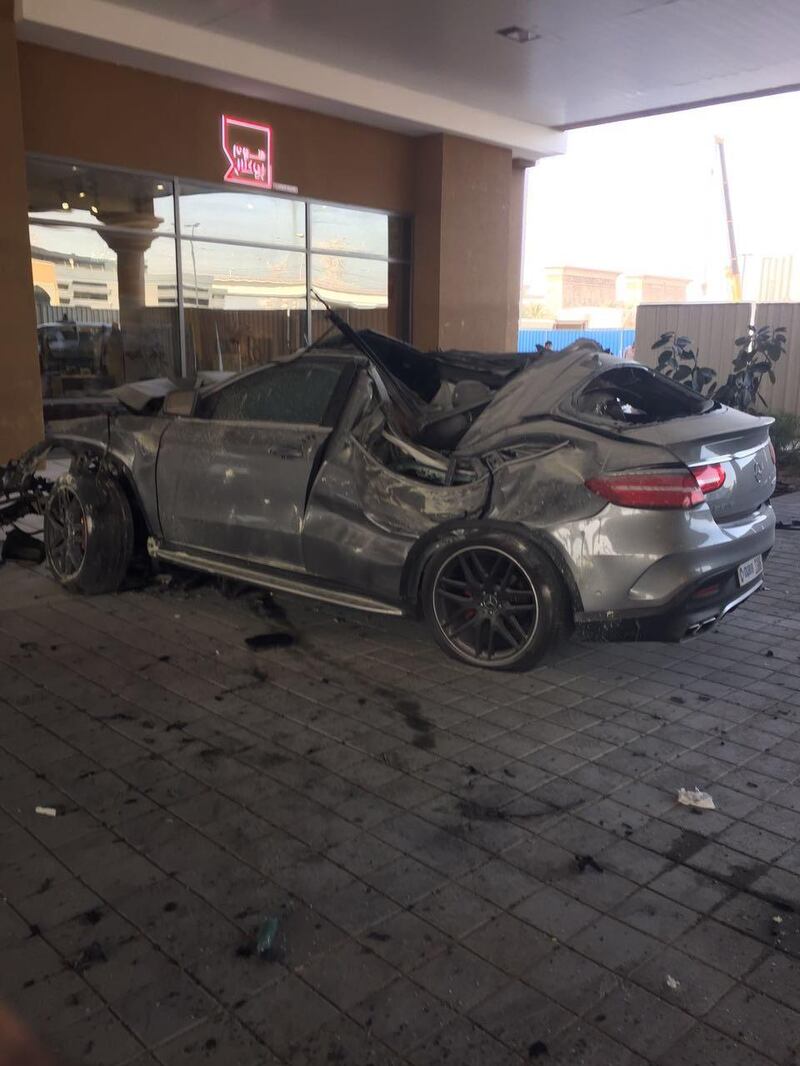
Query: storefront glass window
x=122, y=261
x=237, y=216
x=242, y=305
x=357, y=288
x=343, y=229
x=106, y=308
x=68, y=192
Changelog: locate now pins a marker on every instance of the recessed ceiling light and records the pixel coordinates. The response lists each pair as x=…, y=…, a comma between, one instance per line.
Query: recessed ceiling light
x=519, y=34
x=64, y=205
x=93, y=209
x=160, y=186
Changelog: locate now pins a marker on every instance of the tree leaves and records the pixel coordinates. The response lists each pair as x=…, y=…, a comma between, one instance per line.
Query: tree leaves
x=757, y=352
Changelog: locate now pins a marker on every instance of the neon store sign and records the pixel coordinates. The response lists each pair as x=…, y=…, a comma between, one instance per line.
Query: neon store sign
x=248, y=149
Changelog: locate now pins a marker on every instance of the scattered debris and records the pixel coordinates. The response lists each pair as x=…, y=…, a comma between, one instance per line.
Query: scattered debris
x=50, y=812
x=270, y=640
x=89, y=956
x=693, y=797
x=22, y=546
x=770, y=654
x=672, y=983
x=92, y=916
x=537, y=1049
x=777, y=922
x=266, y=941
x=584, y=862
x=380, y=937
x=266, y=605
x=794, y=525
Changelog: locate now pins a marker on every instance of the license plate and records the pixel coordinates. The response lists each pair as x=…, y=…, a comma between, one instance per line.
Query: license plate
x=750, y=570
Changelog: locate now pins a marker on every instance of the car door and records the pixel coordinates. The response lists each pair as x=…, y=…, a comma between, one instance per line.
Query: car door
x=234, y=478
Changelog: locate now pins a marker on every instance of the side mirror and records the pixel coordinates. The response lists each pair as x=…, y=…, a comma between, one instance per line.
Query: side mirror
x=180, y=403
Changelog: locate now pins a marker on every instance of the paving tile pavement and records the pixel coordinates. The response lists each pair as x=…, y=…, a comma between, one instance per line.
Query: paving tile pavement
x=464, y=868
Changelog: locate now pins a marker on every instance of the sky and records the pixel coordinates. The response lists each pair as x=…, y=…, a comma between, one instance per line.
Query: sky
x=645, y=196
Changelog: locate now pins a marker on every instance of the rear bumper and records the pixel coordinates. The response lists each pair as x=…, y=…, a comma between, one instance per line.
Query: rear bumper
x=696, y=610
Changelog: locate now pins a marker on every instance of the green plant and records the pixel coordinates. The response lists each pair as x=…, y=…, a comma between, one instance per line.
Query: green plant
x=758, y=352
x=678, y=360
x=785, y=434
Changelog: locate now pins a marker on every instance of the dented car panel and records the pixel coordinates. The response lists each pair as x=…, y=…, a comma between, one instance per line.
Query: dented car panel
x=340, y=538
x=237, y=488
x=407, y=505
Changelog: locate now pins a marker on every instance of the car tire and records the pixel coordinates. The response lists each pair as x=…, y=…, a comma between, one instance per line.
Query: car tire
x=88, y=533
x=514, y=608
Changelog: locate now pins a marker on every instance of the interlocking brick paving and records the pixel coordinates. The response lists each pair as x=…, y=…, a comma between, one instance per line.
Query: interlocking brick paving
x=414, y=826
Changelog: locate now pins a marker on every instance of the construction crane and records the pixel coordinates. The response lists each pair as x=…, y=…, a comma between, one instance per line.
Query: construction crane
x=734, y=274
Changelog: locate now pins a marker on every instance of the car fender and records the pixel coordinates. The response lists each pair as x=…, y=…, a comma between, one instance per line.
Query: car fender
x=457, y=532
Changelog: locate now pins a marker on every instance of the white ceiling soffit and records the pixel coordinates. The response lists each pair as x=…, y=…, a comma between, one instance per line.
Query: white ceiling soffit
x=134, y=36
x=440, y=64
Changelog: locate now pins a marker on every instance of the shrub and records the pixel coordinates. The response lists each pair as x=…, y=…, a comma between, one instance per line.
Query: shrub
x=785, y=433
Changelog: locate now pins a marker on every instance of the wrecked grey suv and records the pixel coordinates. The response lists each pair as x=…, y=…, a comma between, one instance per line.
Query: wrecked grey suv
x=505, y=498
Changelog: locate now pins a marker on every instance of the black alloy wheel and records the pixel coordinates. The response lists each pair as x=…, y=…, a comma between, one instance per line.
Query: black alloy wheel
x=485, y=605
x=65, y=533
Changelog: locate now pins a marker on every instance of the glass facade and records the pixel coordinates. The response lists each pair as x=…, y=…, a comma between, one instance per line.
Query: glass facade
x=137, y=276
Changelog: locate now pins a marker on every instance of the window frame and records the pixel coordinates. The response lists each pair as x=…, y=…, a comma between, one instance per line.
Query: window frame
x=307, y=248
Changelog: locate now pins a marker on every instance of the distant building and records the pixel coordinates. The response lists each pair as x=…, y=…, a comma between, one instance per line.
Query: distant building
x=583, y=298
x=573, y=287
x=654, y=289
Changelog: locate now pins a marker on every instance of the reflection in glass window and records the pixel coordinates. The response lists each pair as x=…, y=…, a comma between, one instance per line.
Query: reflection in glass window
x=368, y=293
x=233, y=215
x=344, y=229
x=66, y=192
x=106, y=308
x=243, y=305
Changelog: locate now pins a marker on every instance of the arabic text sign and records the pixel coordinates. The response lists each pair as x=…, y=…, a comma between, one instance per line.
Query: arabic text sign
x=248, y=149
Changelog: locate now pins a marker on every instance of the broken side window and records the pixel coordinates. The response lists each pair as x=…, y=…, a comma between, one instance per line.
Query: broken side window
x=635, y=395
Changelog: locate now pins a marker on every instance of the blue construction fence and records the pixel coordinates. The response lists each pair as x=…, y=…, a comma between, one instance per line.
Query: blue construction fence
x=616, y=340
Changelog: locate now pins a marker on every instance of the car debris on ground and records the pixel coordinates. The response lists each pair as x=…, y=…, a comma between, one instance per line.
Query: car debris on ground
x=693, y=797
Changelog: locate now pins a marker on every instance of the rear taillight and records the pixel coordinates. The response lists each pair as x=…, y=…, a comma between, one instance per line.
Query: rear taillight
x=648, y=490
x=710, y=478
x=659, y=491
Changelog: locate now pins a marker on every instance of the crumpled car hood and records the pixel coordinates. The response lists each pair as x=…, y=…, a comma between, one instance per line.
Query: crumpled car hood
x=137, y=396
x=535, y=391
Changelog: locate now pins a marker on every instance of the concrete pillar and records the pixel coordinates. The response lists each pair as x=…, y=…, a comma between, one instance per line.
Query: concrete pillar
x=467, y=245
x=20, y=383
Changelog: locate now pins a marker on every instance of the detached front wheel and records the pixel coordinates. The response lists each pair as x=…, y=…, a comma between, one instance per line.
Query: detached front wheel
x=495, y=603
x=88, y=533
